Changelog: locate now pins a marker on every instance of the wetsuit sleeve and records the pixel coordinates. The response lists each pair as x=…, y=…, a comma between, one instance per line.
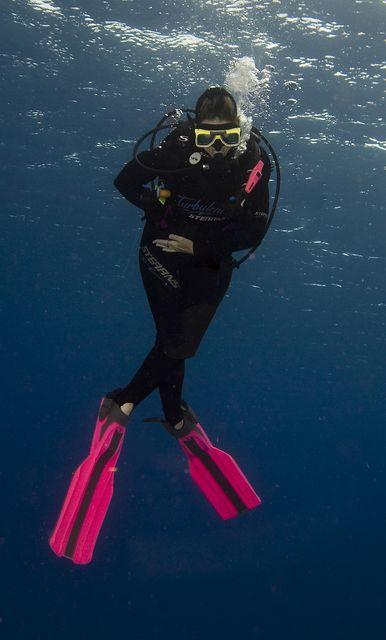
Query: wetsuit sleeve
x=243, y=231
x=131, y=180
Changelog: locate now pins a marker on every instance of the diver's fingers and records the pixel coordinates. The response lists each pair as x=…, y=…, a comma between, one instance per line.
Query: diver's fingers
x=174, y=237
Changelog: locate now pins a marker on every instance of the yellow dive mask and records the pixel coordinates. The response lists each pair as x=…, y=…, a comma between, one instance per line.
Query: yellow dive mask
x=229, y=137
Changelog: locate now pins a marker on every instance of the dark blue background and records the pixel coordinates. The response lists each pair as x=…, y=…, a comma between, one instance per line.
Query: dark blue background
x=291, y=375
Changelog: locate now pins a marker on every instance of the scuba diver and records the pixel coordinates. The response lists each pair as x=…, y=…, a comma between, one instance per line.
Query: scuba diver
x=211, y=199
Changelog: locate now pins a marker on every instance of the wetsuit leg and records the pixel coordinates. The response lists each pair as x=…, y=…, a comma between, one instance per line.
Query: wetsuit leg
x=170, y=390
x=157, y=371
x=183, y=302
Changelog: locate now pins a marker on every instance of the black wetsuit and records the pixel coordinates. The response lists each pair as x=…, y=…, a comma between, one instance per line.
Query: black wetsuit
x=185, y=290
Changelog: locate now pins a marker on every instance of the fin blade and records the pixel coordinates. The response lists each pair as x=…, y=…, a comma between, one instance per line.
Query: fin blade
x=88, y=497
x=218, y=476
x=59, y=538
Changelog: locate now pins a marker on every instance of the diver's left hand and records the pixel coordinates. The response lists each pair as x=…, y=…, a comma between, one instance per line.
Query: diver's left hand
x=175, y=244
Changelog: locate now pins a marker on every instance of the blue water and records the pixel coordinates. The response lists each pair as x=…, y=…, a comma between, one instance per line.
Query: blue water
x=290, y=377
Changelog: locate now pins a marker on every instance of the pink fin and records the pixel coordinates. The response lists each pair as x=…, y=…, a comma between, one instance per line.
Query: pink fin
x=89, y=494
x=218, y=475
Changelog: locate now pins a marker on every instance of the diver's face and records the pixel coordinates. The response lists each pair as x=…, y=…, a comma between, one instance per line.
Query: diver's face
x=217, y=149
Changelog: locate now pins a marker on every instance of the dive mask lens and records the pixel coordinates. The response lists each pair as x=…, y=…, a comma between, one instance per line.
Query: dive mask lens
x=231, y=138
x=204, y=138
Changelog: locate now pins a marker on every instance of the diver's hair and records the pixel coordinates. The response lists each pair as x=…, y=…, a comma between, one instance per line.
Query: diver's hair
x=216, y=102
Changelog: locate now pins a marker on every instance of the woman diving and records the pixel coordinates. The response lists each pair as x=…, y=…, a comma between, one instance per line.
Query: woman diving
x=213, y=201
